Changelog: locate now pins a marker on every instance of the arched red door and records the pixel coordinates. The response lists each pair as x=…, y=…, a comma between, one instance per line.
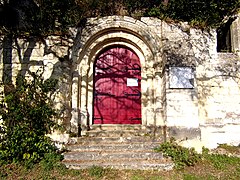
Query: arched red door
x=117, y=87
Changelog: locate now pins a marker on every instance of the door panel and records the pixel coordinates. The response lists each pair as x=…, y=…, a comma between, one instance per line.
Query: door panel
x=117, y=87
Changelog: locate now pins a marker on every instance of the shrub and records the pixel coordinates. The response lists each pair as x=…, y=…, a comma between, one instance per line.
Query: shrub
x=27, y=115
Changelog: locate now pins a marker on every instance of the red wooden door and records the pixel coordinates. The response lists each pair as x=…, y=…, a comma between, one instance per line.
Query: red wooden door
x=117, y=87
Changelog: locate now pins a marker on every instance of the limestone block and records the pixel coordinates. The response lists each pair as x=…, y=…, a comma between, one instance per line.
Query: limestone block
x=1, y=55
x=59, y=139
x=73, y=33
x=128, y=19
x=37, y=54
x=214, y=135
x=227, y=99
x=181, y=109
x=183, y=121
x=235, y=35
x=195, y=143
x=181, y=95
x=150, y=21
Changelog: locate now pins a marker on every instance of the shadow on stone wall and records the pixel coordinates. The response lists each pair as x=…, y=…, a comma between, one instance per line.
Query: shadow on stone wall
x=18, y=58
x=219, y=89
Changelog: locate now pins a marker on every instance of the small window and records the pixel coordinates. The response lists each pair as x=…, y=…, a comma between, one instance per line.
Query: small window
x=181, y=77
x=224, y=37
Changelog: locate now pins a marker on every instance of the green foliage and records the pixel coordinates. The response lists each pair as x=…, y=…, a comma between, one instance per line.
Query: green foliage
x=40, y=17
x=220, y=161
x=56, y=16
x=190, y=177
x=44, y=17
x=230, y=149
x=181, y=156
x=50, y=161
x=96, y=171
x=201, y=13
x=27, y=116
x=137, y=177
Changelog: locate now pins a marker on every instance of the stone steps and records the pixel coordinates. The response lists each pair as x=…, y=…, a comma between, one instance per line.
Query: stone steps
x=122, y=131
x=116, y=133
x=137, y=164
x=113, y=146
x=97, y=140
x=112, y=155
x=112, y=127
x=135, y=152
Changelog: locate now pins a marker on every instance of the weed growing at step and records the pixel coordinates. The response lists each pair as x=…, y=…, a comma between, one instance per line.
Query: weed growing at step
x=230, y=149
x=96, y=171
x=135, y=177
x=220, y=161
x=181, y=156
x=50, y=161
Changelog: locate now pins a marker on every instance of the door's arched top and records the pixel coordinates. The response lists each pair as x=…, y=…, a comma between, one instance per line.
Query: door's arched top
x=100, y=26
x=113, y=47
x=103, y=32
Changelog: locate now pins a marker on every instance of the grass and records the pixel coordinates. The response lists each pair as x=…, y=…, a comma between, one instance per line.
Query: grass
x=211, y=167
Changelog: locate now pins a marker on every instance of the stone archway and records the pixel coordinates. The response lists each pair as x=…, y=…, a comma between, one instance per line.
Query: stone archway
x=114, y=31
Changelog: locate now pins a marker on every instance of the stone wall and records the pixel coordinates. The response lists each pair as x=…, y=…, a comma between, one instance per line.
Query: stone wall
x=219, y=102
x=204, y=109
x=235, y=35
x=47, y=57
x=208, y=113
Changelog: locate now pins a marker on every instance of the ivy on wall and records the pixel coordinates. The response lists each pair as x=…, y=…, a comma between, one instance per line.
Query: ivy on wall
x=44, y=17
x=201, y=13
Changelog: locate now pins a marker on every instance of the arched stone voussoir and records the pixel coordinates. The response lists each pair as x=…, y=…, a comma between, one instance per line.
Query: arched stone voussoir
x=120, y=26
x=89, y=53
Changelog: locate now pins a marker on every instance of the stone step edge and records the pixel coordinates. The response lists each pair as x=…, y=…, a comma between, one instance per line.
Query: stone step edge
x=158, y=167
x=123, y=146
x=113, y=144
x=136, y=160
x=144, y=165
x=106, y=148
x=117, y=127
x=116, y=142
x=117, y=137
x=111, y=151
x=81, y=140
x=120, y=133
x=118, y=130
x=113, y=156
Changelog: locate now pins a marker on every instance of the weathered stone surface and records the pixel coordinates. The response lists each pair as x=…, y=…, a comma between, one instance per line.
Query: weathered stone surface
x=159, y=46
x=119, y=153
x=184, y=133
x=142, y=165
